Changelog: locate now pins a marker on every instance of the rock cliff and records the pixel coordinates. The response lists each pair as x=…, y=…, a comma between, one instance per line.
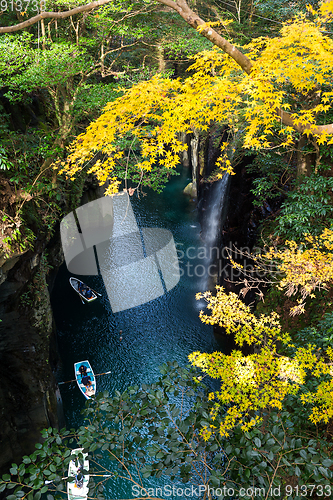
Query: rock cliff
x=28, y=390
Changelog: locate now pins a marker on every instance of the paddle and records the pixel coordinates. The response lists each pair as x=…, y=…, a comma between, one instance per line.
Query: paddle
x=70, y=477
x=99, y=294
x=74, y=379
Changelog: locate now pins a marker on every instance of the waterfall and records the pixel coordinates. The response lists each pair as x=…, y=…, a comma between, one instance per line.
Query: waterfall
x=214, y=216
x=213, y=220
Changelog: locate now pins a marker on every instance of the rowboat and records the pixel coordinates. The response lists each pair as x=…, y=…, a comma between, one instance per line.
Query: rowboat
x=84, y=291
x=78, y=489
x=85, y=378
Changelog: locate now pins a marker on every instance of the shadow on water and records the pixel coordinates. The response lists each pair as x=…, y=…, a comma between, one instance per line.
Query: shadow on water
x=167, y=328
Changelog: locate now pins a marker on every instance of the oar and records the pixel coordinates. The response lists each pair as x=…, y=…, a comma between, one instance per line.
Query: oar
x=99, y=294
x=105, y=373
x=74, y=379
x=70, y=477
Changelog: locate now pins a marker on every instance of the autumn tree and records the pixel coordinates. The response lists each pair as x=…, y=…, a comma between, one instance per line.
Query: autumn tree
x=68, y=69
x=251, y=102
x=267, y=87
x=182, y=8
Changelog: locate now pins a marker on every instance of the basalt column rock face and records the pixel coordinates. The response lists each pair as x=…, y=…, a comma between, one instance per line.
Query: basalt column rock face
x=28, y=391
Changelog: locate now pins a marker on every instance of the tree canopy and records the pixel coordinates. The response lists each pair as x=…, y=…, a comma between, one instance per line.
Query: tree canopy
x=251, y=94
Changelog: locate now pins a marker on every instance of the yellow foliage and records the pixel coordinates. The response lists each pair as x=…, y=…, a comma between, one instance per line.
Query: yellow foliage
x=210, y=24
x=261, y=380
x=229, y=312
x=297, y=268
x=154, y=112
x=304, y=268
x=326, y=9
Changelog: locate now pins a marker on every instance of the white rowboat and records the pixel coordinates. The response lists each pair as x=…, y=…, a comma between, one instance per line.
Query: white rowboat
x=90, y=389
x=84, y=291
x=78, y=489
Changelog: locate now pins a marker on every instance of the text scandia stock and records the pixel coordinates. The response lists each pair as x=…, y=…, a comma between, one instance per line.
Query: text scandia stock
x=22, y=5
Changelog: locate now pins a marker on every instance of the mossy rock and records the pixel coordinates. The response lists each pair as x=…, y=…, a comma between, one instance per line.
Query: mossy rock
x=190, y=190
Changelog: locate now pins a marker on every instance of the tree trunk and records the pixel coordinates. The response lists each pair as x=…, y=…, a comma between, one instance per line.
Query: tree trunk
x=305, y=159
x=160, y=58
x=195, y=161
x=43, y=34
x=184, y=154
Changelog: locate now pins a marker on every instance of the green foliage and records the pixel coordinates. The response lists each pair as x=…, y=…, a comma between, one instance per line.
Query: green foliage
x=308, y=209
x=16, y=237
x=279, y=10
x=320, y=335
x=15, y=54
x=5, y=164
x=271, y=175
x=155, y=430
x=93, y=97
x=278, y=454
x=147, y=431
x=43, y=68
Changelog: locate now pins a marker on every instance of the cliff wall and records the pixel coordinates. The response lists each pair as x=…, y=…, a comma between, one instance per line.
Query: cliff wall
x=28, y=390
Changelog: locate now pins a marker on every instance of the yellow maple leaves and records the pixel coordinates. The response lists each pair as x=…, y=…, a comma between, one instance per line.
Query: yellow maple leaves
x=326, y=9
x=304, y=268
x=229, y=312
x=262, y=380
x=299, y=269
x=259, y=381
x=153, y=113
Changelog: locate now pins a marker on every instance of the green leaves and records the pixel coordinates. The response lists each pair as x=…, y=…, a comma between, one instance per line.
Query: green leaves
x=284, y=450
x=158, y=436
x=167, y=440
x=310, y=201
x=321, y=335
x=46, y=68
x=257, y=442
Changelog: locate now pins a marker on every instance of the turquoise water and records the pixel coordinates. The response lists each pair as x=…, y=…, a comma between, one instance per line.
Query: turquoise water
x=167, y=328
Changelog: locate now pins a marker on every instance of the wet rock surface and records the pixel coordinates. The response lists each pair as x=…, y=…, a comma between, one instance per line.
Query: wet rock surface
x=28, y=391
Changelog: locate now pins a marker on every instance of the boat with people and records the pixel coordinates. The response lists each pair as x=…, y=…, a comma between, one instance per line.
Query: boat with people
x=85, y=378
x=85, y=292
x=78, y=489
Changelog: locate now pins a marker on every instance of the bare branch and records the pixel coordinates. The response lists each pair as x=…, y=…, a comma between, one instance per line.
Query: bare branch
x=53, y=15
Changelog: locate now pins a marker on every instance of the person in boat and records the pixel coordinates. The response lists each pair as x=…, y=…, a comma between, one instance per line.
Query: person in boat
x=79, y=477
x=85, y=379
x=83, y=370
x=82, y=288
x=85, y=291
x=90, y=389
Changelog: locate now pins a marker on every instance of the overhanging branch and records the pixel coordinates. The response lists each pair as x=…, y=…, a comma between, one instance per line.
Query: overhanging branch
x=244, y=62
x=53, y=15
x=193, y=20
